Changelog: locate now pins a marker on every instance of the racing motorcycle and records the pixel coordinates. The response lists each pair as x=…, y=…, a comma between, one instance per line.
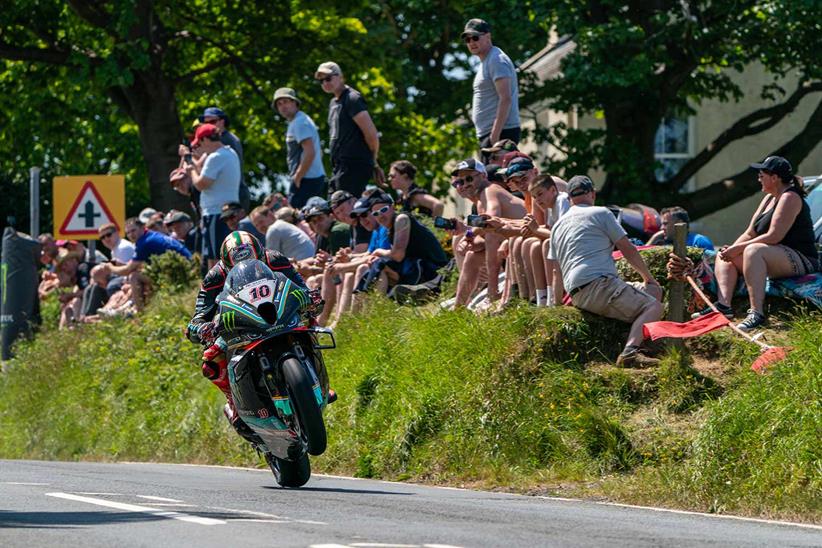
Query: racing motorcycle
x=275, y=367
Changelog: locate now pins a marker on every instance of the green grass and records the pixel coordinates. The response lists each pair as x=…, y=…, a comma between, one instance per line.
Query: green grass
x=527, y=401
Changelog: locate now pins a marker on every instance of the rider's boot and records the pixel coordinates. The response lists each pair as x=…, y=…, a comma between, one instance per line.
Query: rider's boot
x=215, y=369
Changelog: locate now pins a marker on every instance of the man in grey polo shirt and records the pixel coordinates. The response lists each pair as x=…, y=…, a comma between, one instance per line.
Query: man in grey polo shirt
x=582, y=242
x=495, y=107
x=302, y=140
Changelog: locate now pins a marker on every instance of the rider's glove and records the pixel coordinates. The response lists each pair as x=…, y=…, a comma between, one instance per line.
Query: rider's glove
x=316, y=302
x=207, y=332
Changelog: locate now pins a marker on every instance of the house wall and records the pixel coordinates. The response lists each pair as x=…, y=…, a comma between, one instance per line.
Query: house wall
x=712, y=118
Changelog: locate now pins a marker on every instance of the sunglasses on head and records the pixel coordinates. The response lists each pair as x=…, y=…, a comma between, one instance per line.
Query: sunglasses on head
x=326, y=79
x=380, y=211
x=474, y=38
x=459, y=182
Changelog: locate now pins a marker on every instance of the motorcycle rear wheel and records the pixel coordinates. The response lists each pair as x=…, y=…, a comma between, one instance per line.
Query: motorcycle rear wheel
x=290, y=473
x=308, y=413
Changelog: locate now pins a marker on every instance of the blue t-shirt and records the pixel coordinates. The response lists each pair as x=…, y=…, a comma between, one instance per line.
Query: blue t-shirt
x=698, y=240
x=299, y=129
x=379, y=239
x=155, y=243
x=223, y=166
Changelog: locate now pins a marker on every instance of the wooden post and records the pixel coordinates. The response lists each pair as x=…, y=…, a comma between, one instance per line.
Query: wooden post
x=676, y=301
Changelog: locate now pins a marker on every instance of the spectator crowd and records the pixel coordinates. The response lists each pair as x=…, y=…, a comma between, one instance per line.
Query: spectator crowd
x=531, y=236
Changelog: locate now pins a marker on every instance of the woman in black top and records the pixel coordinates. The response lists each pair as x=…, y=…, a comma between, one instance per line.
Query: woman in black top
x=401, y=175
x=778, y=243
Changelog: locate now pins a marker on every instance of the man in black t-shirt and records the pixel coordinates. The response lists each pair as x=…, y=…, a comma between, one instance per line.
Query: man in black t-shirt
x=353, y=138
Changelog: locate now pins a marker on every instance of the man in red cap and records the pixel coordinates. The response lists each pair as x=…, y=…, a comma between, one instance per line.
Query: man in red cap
x=216, y=174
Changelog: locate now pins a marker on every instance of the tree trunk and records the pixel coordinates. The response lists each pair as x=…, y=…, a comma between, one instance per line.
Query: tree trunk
x=629, y=148
x=152, y=104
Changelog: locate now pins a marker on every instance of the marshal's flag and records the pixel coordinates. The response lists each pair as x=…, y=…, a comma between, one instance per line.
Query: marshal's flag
x=686, y=330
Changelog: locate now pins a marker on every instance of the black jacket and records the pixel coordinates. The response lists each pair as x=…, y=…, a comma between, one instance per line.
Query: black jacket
x=213, y=282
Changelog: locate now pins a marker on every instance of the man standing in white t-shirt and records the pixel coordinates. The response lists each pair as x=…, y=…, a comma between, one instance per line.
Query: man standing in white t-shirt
x=216, y=174
x=495, y=106
x=302, y=140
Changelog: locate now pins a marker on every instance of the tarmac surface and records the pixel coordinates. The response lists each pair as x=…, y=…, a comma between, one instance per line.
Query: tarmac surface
x=155, y=505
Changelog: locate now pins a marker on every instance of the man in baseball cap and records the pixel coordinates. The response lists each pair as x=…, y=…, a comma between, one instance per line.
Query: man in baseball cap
x=354, y=141
x=217, y=117
x=582, y=242
x=303, y=150
x=495, y=104
x=580, y=185
x=494, y=154
x=469, y=164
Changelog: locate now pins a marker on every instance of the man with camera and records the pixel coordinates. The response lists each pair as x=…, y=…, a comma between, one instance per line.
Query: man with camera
x=215, y=172
x=492, y=201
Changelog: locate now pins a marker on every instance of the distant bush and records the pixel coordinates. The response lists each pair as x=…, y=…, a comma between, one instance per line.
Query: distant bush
x=172, y=273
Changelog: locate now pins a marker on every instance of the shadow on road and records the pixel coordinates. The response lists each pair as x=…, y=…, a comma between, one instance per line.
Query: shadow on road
x=339, y=490
x=34, y=520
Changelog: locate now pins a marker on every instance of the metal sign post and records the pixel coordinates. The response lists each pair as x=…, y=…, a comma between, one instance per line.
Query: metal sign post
x=34, y=205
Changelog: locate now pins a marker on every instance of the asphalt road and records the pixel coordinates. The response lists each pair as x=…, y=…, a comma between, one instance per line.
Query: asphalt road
x=46, y=504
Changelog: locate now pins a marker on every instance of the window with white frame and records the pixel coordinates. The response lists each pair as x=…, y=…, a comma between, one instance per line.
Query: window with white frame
x=673, y=146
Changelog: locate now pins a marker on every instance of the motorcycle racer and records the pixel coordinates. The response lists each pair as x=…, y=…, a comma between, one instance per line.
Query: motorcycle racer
x=237, y=246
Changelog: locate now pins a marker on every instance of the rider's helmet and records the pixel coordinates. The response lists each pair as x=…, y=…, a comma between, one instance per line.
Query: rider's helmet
x=239, y=246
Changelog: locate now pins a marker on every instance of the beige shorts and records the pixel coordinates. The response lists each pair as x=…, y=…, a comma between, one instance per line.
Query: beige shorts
x=613, y=298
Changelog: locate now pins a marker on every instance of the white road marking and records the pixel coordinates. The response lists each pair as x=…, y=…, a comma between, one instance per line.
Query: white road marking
x=161, y=499
x=264, y=515
x=136, y=508
x=172, y=504
x=560, y=499
x=24, y=483
x=381, y=545
x=689, y=513
x=259, y=520
x=98, y=494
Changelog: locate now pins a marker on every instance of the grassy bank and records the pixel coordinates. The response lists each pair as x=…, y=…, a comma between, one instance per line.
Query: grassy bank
x=528, y=400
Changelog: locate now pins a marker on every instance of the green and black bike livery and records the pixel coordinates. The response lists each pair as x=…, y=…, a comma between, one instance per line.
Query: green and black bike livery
x=278, y=379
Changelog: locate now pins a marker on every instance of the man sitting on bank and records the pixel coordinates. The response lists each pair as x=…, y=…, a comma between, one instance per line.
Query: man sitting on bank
x=582, y=242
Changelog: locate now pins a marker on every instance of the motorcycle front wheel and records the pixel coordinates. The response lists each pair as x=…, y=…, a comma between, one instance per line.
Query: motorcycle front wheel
x=304, y=404
x=290, y=473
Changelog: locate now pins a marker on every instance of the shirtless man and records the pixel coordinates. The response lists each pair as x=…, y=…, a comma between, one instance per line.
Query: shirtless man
x=491, y=201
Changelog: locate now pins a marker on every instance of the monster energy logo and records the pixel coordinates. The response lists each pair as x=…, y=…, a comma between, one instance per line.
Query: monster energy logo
x=228, y=320
x=302, y=297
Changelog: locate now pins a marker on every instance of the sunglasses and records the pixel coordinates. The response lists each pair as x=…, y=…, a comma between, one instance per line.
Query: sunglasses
x=459, y=182
x=381, y=211
x=106, y=235
x=469, y=39
x=210, y=120
x=326, y=79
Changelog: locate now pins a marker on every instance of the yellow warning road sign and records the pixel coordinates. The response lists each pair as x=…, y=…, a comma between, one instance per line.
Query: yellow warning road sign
x=84, y=203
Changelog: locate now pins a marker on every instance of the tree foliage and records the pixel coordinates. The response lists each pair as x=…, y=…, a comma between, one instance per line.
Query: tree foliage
x=635, y=63
x=96, y=86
